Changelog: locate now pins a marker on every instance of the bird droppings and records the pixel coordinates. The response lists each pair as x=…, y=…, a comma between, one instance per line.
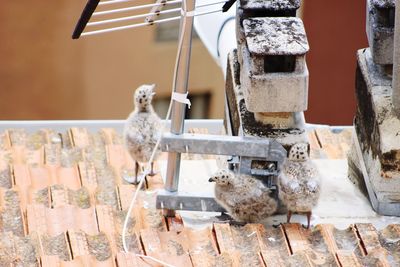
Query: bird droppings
x=275, y=36
x=376, y=123
x=270, y=4
x=383, y=3
x=255, y=128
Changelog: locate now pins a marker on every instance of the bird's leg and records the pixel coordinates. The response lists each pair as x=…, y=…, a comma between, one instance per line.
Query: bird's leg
x=136, y=172
x=224, y=217
x=308, y=214
x=289, y=215
x=146, y=182
x=152, y=173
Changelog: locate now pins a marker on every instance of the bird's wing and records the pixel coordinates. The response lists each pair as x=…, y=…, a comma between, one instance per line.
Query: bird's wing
x=313, y=184
x=288, y=179
x=290, y=171
x=292, y=187
x=133, y=135
x=228, y=198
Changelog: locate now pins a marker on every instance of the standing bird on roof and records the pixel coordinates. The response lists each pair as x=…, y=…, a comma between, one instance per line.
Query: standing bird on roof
x=245, y=198
x=299, y=182
x=142, y=129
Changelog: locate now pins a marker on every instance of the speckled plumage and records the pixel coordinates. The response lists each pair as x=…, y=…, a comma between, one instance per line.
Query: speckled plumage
x=245, y=198
x=299, y=181
x=143, y=126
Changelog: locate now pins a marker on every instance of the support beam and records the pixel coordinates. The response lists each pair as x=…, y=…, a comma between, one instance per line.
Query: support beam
x=181, y=86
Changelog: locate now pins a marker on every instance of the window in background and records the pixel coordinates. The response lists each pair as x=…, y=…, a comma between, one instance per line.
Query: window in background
x=199, y=109
x=166, y=32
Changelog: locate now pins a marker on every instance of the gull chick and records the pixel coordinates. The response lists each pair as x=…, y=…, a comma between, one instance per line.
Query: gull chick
x=299, y=182
x=142, y=128
x=245, y=198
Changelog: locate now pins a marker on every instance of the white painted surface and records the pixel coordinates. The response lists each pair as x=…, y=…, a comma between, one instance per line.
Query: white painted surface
x=212, y=27
x=341, y=203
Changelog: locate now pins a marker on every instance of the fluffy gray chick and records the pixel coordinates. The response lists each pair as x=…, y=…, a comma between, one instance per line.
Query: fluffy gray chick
x=142, y=128
x=299, y=182
x=245, y=198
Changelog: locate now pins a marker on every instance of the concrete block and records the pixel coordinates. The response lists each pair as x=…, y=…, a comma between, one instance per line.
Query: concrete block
x=233, y=93
x=377, y=128
x=278, y=6
x=275, y=36
x=261, y=8
x=274, y=74
x=287, y=131
x=380, y=30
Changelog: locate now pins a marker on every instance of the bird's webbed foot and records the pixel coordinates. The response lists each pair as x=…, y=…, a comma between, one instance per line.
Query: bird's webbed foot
x=237, y=223
x=152, y=172
x=308, y=214
x=224, y=217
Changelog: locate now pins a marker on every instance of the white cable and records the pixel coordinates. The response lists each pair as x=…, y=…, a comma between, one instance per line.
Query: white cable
x=180, y=44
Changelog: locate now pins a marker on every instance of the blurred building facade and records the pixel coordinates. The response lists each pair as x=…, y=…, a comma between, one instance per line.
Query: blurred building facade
x=44, y=74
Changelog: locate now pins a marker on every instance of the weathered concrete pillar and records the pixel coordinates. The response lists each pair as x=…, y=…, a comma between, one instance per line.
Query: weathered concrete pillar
x=375, y=159
x=396, y=63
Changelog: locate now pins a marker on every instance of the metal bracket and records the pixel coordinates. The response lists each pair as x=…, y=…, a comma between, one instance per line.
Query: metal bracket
x=186, y=201
x=250, y=155
x=224, y=145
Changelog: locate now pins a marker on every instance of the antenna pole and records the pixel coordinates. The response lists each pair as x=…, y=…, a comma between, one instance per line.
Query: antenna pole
x=181, y=86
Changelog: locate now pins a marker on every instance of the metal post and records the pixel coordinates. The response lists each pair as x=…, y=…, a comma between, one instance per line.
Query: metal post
x=181, y=86
x=396, y=62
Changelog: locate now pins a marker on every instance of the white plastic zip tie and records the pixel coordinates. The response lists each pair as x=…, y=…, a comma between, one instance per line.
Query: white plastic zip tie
x=181, y=98
x=188, y=14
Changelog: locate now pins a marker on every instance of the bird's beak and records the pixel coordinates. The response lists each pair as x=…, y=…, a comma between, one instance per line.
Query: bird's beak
x=153, y=86
x=211, y=179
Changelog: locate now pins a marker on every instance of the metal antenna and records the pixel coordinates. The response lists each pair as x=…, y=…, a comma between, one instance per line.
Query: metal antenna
x=154, y=11
x=181, y=85
x=183, y=61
